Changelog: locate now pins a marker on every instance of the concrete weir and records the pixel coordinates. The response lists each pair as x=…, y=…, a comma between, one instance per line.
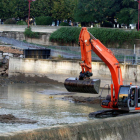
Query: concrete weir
x=118, y=128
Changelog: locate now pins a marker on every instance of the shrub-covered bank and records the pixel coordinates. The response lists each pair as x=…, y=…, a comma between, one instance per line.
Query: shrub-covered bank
x=106, y=36
x=66, y=35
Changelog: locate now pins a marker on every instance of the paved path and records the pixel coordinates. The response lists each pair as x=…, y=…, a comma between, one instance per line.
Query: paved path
x=19, y=44
x=21, y=28
x=55, y=52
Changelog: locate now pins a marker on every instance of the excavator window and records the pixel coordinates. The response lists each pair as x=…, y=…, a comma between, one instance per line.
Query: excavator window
x=139, y=97
x=123, y=94
x=132, y=97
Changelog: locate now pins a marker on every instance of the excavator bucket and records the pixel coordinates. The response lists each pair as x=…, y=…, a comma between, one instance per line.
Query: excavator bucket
x=84, y=86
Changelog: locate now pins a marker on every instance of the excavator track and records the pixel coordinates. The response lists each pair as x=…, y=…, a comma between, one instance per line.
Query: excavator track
x=110, y=113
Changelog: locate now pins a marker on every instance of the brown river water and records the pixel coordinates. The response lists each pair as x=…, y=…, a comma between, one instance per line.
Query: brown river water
x=42, y=103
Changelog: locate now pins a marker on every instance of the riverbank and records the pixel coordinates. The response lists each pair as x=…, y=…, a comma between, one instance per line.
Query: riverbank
x=120, y=128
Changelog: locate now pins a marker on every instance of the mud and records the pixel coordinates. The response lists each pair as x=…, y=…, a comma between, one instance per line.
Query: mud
x=4, y=80
x=9, y=118
x=35, y=79
x=89, y=100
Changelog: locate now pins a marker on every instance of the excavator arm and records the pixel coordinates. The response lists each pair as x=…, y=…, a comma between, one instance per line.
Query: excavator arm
x=89, y=43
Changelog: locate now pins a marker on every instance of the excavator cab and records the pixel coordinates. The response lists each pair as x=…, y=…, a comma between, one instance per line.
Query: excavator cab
x=129, y=98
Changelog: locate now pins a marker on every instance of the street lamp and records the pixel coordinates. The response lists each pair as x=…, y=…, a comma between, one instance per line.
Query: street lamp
x=138, y=11
x=29, y=11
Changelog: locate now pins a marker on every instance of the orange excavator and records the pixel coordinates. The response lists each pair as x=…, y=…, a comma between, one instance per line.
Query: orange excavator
x=124, y=98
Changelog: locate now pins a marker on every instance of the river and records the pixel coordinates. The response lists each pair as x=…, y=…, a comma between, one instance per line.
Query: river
x=42, y=103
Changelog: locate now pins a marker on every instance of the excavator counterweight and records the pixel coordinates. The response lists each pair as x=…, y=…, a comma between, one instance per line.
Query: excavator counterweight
x=83, y=86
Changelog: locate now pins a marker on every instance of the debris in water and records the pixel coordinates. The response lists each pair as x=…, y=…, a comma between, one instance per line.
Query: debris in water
x=9, y=118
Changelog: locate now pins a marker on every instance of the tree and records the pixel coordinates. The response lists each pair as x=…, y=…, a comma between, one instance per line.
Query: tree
x=128, y=13
x=41, y=8
x=7, y=9
x=63, y=9
x=19, y=8
x=96, y=10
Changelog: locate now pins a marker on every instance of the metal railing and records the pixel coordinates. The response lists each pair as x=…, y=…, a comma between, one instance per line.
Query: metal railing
x=122, y=55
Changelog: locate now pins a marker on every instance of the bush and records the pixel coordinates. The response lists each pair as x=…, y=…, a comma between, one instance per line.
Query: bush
x=28, y=33
x=63, y=24
x=106, y=36
x=43, y=20
x=21, y=23
x=10, y=21
x=66, y=35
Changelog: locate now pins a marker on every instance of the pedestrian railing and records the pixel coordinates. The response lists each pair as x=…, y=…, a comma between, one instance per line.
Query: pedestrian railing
x=122, y=55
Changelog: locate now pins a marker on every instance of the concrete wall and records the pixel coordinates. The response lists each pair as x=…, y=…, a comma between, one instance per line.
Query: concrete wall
x=21, y=28
x=117, y=128
x=41, y=68
x=42, y=40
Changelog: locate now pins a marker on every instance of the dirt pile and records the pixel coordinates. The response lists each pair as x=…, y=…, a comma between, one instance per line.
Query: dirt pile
x=9, y=118
x=10, y=50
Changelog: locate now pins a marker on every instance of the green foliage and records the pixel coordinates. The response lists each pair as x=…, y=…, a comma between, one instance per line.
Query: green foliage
x=127, y=16
x=14, y=8
x=21, y=23
x=66, y=35
x=87, y=11
x=63, y=24
x=63, y=9
x=96, y=10
x=10, y=21
x=43, y=20
x=28, y=33
x=59, y=56
x=19, y=8
x=128, y=13
x=106, y=36
x=41, y=8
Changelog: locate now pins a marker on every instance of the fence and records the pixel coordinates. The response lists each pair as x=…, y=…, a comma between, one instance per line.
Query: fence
x=122, y=55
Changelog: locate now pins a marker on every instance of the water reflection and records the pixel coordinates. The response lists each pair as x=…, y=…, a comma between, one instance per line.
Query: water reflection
x=28, y=101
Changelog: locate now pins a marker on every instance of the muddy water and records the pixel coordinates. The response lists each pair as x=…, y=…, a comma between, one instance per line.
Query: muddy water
x=42, y=103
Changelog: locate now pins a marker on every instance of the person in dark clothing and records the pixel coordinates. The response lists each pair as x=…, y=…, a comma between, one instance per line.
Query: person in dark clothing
x=132, y=98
